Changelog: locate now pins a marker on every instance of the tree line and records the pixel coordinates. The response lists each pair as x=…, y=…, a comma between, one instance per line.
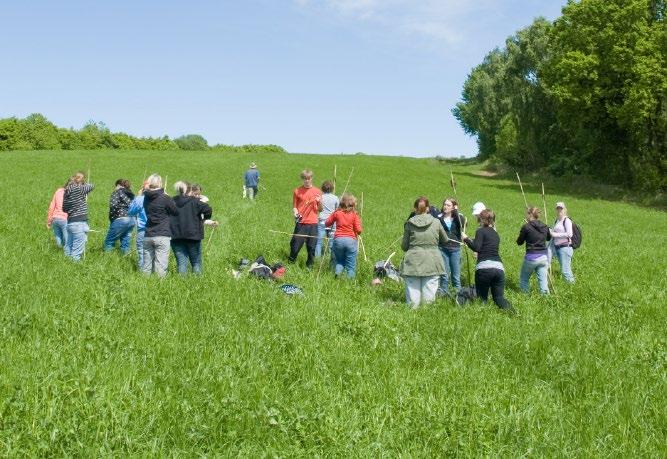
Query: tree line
x=585, y=94
x=35, y=132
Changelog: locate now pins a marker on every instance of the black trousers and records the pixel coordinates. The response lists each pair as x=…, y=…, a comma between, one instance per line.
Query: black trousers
x=297, y=242
x=493, y=279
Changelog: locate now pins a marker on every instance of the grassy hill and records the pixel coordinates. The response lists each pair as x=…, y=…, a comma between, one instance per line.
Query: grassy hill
x=98, y=360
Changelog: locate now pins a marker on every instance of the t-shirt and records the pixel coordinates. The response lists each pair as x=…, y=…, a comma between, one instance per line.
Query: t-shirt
x=348, y=224
x=305, y=202
x=329, y=205
x=251, y=177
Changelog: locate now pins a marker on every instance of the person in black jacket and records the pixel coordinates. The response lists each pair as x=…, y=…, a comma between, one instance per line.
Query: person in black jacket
x=535, y=234
x=187, y=227
x=489, y=272
x=121, y=224
x=159, y=206
x=453, y=223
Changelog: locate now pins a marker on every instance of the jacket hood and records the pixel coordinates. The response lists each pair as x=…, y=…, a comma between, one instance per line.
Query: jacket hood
x=539, y=226
x=152, y=194
x=182, y=200
x=421, y=221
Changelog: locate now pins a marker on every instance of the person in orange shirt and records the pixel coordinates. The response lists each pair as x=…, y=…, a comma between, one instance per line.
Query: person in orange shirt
x=305, y=207
x=56, y=219
x=348, y=227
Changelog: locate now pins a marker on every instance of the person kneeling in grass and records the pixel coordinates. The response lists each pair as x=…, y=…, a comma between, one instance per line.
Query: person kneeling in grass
x=422, y=265
x=535, y=234
x=348, y=228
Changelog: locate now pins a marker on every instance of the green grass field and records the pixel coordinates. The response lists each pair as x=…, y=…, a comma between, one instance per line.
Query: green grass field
x=97, y=360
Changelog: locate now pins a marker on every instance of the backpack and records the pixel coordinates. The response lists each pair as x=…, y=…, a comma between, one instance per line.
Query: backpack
x=466, y=295
x=575, y=241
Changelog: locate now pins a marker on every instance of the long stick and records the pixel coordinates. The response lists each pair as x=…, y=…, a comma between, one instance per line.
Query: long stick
x=549, y=277
x=522, y=193
x=348, y=182
x=166, y=177
x=463, y=225
x=452, y=182
x=210, y=236
x=334, y=180
x=291, y=234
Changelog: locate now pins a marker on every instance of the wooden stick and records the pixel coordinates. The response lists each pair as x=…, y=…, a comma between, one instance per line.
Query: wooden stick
x=452, y=182
x=208, y=243
x=549, y=277
x=334, y=180
x=348, y=182
x=166, y=177
x=522, y=193
x=291, y=234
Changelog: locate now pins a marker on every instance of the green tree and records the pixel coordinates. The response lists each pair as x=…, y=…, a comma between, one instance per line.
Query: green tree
x=191, y=142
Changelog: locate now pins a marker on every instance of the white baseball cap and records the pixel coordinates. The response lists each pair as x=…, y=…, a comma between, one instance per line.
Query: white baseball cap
x=477, y=208
x=560, y=204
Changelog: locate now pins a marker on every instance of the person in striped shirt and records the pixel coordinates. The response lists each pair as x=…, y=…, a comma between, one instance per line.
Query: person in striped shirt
x=76, y=206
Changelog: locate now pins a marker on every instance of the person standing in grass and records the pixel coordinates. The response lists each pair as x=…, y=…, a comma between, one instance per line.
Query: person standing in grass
x=159, y=206
x=121, y=224
x=453, y=223
x=187, y=228
x=330, y=203
x=75, y=204
x=136, y=210
x=348, y=228
x=305, y=207
x=535, y=235
x=422, y=264
x=562, y=242
x=56, y=219
x=251, y=180
x=489, y=272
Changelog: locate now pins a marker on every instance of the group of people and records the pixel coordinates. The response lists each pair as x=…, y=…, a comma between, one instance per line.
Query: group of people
x=162, y=223
x=433, y=239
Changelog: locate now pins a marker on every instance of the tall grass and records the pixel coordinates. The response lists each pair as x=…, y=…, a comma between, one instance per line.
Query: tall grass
x=97, y=360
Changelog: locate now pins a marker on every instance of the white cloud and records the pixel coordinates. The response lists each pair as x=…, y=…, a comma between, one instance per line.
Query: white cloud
x=437, y=20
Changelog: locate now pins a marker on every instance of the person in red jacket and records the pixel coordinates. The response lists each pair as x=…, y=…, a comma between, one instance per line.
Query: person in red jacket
x=305, y=207
x=348, y=228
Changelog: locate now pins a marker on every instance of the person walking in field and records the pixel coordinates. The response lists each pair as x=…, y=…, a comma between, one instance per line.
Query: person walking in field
x=187, y=228
x=56, y=218
x=159, y=206
x=75, y=205
x=136, y=210
x=329, y=203
x=422, y=264
x=305, y=207
x=535, y=235
x=562, y=242
x=251, y=181
x=489, y=271
x=348, y=229
x=453, y=223
x=121, y=224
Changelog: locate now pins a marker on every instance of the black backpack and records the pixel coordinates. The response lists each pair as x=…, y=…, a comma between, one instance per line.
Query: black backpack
x=575, y=241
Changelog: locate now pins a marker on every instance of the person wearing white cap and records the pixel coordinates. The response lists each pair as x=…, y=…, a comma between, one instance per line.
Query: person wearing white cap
x=251, y=181
x=562, y=242
x=477, y=208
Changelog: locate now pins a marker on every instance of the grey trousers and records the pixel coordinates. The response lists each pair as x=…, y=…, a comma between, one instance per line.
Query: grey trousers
x=156, y=255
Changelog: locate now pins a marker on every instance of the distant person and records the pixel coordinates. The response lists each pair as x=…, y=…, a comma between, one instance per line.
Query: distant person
x=187, y=228
x=121, y=224
x=422, y=264
x=535, y=235
x=348, y=229
x=329, y=203
x=489, y=272
x=453, y=223
x=136, y=210
x=56, y=218
x=562, y=242
x=159, y=207
x=75, y=205
x=251, y=180
x=305, y=208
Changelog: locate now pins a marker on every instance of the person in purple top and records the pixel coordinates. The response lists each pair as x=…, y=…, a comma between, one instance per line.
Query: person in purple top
x=535, y=235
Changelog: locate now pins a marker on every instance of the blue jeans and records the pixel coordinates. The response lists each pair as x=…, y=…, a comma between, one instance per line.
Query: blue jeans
x=187, y=251
x=59, y=228
x=564, y=255
x=539, y=266
x=120, y=228
x=345, y=250
x=321, y=233
x=77, y=235
x=140, y=246
x=452, y=259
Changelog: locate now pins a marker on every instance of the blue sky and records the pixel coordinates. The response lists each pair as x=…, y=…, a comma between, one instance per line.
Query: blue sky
x=321, y=76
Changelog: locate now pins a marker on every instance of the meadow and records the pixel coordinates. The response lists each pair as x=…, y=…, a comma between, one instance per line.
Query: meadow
x=98, y=360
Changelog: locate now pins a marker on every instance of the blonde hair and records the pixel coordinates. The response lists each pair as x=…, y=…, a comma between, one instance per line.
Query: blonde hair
x=154, y=182
x=348, y=202
x=181, y=187
x=78, y=178
x=306, y=173
x=533, y=213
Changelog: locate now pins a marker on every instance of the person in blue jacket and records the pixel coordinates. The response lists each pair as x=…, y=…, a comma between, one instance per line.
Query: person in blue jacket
x=137, y=210
x=251, y=180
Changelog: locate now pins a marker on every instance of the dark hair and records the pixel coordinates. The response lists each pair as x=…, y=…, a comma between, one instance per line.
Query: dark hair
x=487, y=217
x=421, y=205
x=533, y=212
x=327, y=186
x=123, y=182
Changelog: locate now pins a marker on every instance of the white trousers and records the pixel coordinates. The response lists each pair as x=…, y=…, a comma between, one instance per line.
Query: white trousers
x=420, y=290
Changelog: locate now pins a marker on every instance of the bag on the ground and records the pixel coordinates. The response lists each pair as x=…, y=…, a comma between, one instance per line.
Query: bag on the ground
x=384, y=268
x=291, y=289
x=575, y=241
x=466, y=295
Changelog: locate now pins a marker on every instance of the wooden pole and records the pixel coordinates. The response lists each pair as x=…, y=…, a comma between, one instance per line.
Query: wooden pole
x=549, y=276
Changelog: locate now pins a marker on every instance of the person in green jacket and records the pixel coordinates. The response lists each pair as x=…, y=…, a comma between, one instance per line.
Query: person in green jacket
x=422, y=265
